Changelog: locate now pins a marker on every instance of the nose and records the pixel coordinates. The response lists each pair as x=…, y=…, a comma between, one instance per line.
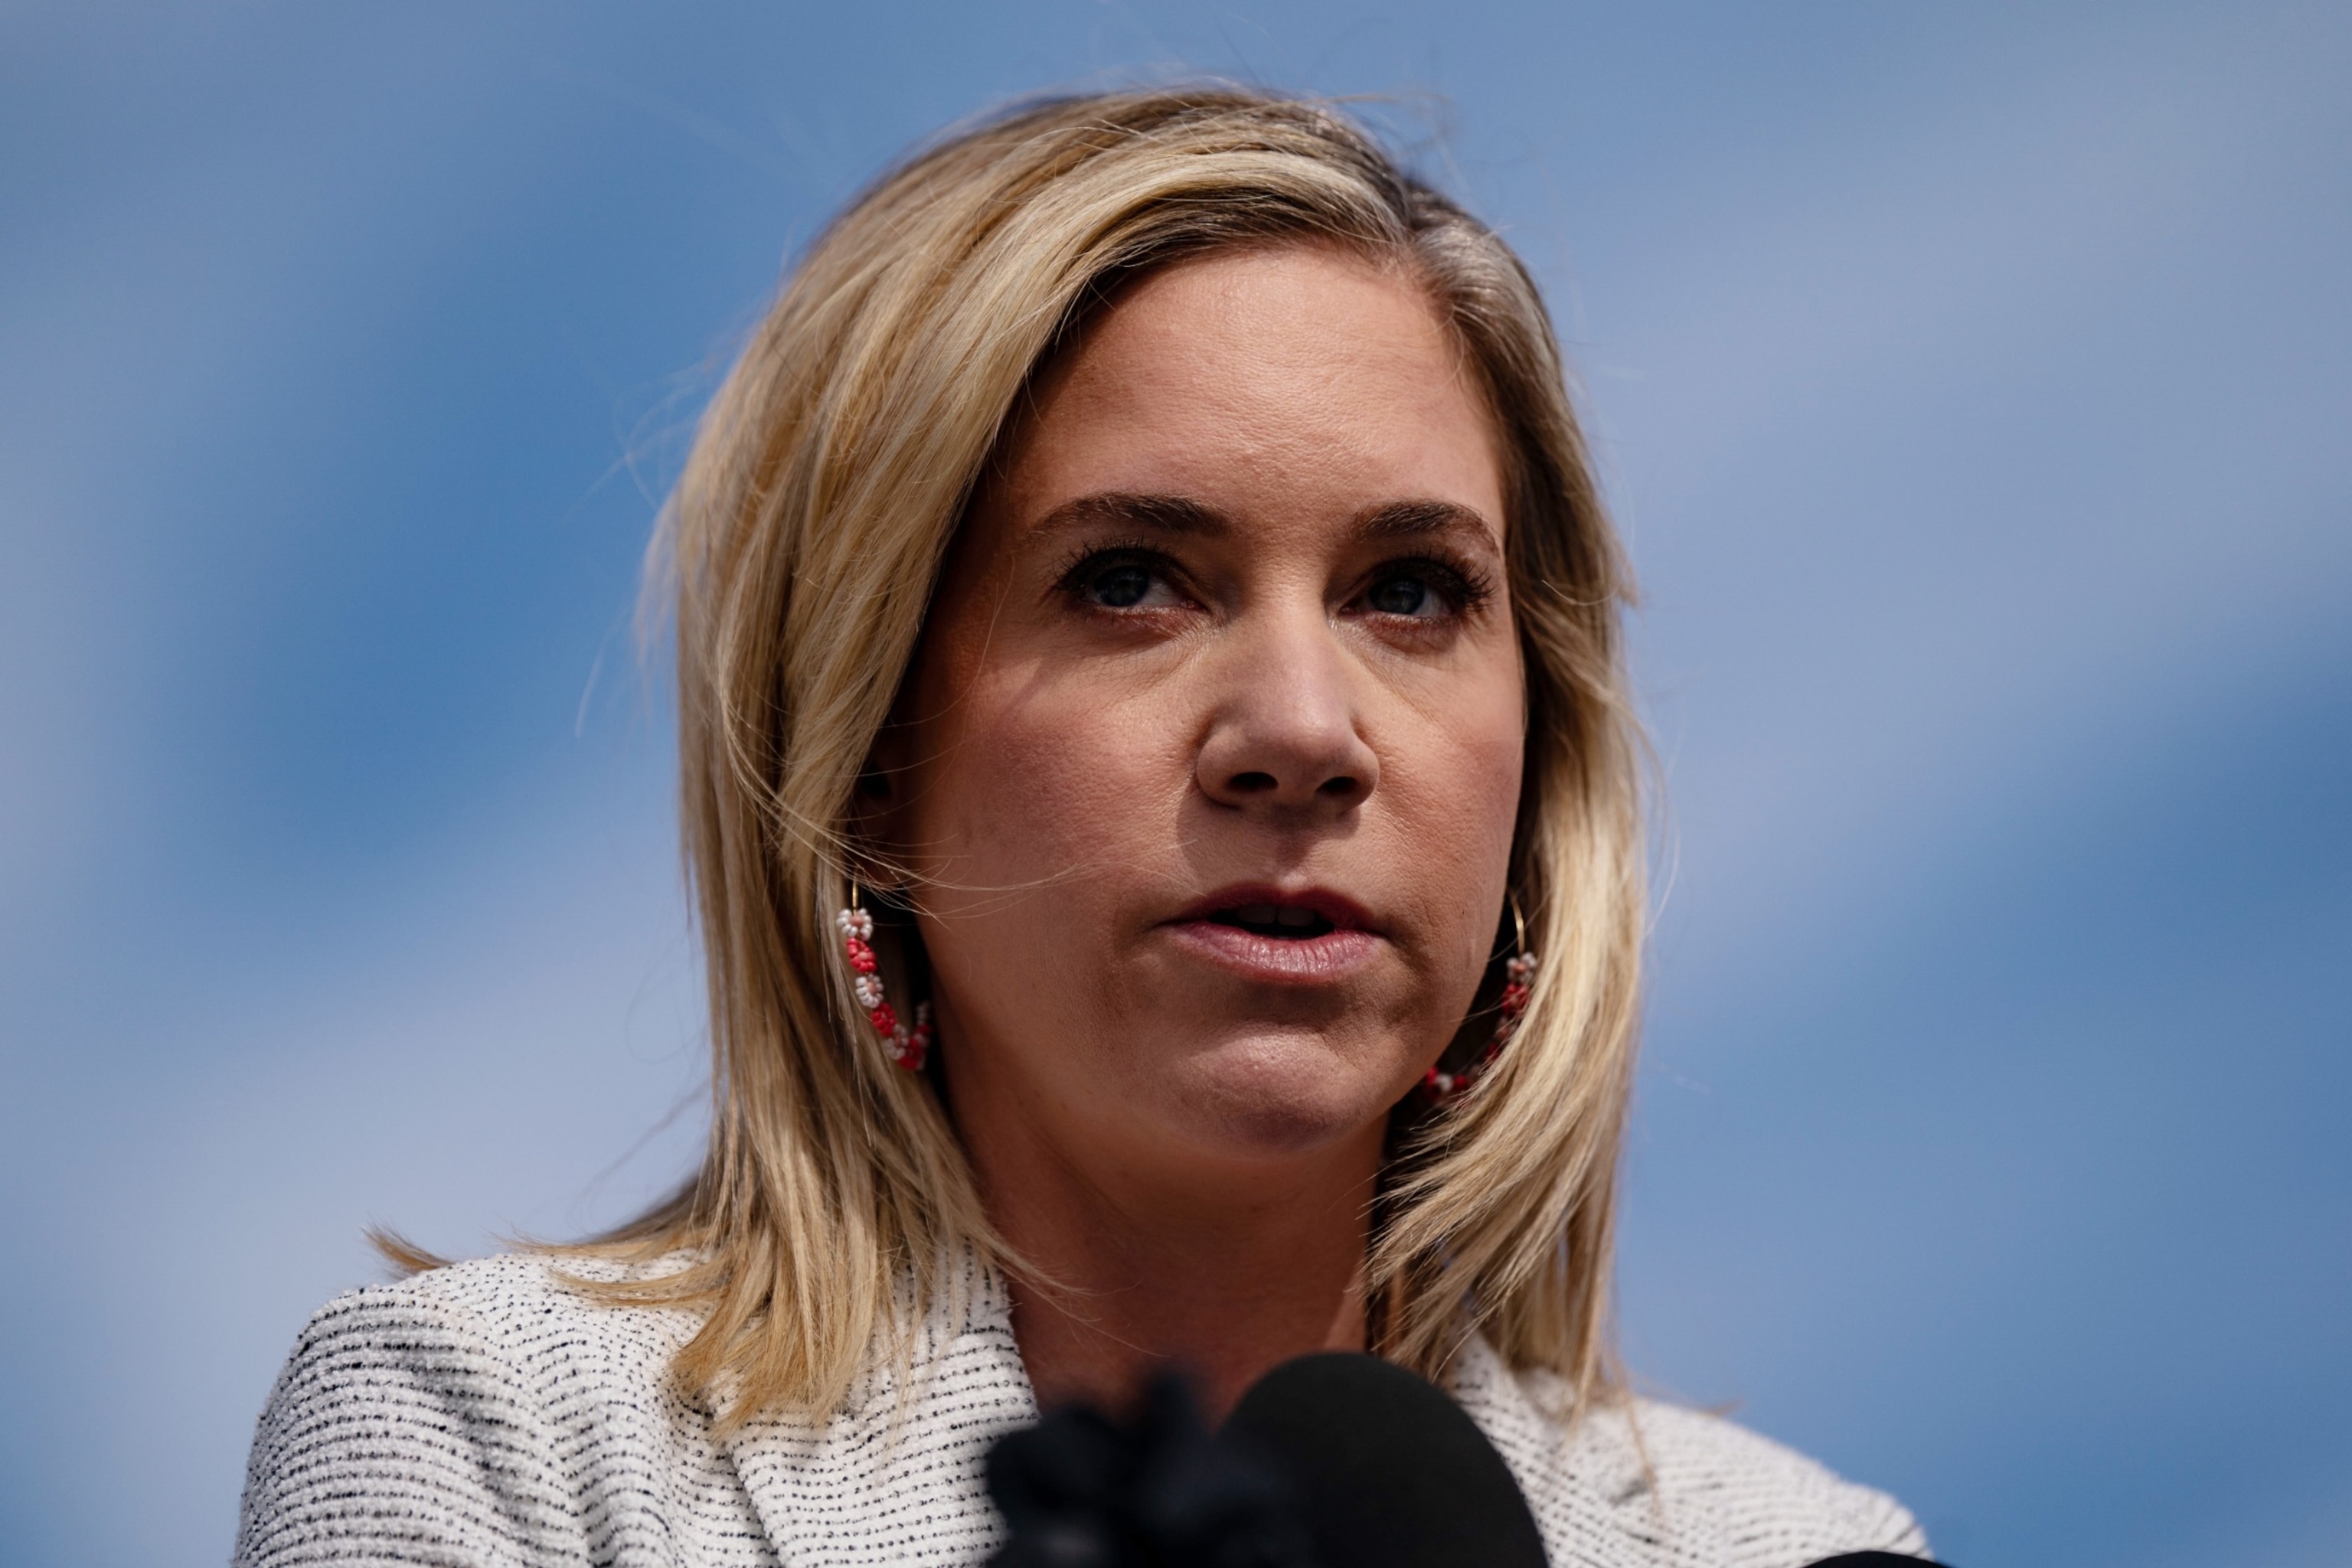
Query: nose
x=1284, y=735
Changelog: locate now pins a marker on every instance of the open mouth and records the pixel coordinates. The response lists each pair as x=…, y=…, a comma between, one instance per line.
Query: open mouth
x=1289, y=922
x=1282, y=936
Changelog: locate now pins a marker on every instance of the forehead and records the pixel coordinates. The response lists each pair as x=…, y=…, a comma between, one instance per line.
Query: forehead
x=1301, y=380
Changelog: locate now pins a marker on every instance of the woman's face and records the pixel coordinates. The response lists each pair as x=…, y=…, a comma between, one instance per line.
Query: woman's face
x=1210, y=759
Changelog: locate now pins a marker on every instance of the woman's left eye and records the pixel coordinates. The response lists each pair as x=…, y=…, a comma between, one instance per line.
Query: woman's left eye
x=1403, y=593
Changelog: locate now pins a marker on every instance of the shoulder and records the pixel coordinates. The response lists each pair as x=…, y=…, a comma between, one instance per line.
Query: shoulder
x=1755, y=1500
x=518, y=1312
x=509, y=1335
x=1642, y=1482
x=487, y=1409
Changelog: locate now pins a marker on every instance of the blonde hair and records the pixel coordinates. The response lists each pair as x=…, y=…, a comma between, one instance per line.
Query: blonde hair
x=804, y=538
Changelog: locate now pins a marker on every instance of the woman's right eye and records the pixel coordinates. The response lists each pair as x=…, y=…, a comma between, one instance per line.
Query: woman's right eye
x=1121, y=582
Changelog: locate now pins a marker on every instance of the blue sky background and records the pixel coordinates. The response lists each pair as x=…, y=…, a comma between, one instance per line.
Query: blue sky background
x=1975, y=385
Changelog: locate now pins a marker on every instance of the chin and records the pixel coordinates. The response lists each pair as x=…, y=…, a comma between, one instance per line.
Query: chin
x=1282, y=1094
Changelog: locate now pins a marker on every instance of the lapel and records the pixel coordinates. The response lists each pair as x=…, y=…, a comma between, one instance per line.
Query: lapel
x=895, y=1476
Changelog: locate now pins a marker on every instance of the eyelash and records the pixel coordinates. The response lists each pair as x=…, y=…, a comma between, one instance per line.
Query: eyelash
x=1466, y=585
x=1090, y=559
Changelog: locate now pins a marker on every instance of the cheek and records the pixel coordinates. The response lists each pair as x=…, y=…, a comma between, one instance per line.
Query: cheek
x=1457, y=758
x=1488, y=759
x=1046, y=812
x=1456, y=800
x=1043, y=798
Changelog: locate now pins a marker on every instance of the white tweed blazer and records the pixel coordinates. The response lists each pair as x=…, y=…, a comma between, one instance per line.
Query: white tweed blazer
x=483, y=1415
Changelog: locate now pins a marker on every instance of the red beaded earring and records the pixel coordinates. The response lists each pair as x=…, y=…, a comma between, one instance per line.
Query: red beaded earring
x=1519, y=978
x=908, y=1048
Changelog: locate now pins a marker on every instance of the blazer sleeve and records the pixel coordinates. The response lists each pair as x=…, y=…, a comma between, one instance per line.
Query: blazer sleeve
x=399, y=1433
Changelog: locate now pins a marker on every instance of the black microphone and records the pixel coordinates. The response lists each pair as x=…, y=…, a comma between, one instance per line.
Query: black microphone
x=1081, y=1491
x=1388, y=1471
x=1331, y=1461
x=1336, y=1460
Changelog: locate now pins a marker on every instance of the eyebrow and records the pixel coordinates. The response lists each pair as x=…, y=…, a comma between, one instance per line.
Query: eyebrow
x=1159, y=513
x=1183, y=516
x=1414, y=519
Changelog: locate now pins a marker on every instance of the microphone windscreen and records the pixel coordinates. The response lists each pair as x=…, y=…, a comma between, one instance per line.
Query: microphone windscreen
x=1389, y=1472
x=1082, y=1490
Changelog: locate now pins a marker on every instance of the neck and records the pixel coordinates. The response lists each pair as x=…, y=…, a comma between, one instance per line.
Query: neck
x=1221, y=1273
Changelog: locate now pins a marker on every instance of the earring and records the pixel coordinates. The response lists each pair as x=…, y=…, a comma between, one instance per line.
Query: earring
x=906, y=1048
x=1518, y=981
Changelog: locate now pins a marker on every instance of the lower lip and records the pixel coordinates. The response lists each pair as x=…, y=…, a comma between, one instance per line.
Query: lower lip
x=1291, y=961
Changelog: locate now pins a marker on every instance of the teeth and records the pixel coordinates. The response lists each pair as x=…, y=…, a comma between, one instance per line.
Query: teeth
x=1256, y=914
x=1291, y=915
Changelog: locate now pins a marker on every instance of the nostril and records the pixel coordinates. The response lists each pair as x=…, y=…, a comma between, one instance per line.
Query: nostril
x=1251, y=783
x=1339, y=788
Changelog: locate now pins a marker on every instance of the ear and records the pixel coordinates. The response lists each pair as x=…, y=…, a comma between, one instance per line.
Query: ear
x=877, y=802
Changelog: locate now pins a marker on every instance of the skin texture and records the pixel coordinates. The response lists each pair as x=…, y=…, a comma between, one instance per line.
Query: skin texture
x=1228, y=624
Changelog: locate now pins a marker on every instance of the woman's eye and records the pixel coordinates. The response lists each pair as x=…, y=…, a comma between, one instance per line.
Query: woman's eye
x=1121, y=582
x=1120, y=587
x=1402, y=594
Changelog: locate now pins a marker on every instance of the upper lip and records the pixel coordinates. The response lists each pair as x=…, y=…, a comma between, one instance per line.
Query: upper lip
x=1342, y=911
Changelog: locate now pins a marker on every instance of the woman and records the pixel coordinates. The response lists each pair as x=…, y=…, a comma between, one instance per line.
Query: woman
x=1150, y=688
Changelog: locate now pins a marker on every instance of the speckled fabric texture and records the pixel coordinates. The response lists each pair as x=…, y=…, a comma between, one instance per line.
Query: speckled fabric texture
x=483, y=1415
